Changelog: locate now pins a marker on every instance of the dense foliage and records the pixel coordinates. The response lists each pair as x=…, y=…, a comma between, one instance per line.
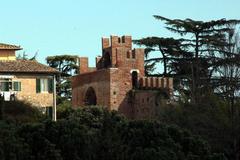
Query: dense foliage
x=94, y=133
x=198, y=57
x=203, y=59
x=211, y=120
x=19, y=112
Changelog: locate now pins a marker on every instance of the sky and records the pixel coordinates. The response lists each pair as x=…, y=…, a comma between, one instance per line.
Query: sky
x=75, y=27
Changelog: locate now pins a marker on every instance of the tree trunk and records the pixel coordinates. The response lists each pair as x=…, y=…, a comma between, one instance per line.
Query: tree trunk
x=196, y=71
x=164, y=61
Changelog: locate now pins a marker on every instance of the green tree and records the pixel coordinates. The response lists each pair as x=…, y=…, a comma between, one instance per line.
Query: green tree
x=94, y=133
x=25, y=56
x=68, y=66
x=169, y=48
x=228, y=85
x=197, y=50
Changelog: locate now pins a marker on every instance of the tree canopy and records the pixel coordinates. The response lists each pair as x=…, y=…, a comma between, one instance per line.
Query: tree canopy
x=68, y=66
x=94, y=133
x=192, y=57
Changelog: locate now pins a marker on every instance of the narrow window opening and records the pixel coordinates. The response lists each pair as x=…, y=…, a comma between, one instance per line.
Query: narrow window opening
x=133, y=55
x=119, y=40
x=123, y=40
x=107, y=60
x=128, y=55
x=147, y=99
x=134, y=79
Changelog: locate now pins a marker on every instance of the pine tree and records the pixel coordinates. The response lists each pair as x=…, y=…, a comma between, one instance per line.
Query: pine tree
x=193, y=56
x=67, y=65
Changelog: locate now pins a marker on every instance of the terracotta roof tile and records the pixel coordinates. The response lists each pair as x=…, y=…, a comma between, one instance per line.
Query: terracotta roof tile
x=9, y=46
x=25, y=66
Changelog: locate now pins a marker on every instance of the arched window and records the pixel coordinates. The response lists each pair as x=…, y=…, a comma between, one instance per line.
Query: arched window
x=90, y=97
x=134, y=79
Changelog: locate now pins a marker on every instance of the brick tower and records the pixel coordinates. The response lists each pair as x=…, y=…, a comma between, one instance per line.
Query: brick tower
x=118, y=81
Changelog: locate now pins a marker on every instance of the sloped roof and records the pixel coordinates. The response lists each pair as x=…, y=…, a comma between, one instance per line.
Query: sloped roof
x=9, y=46
x=25, y=66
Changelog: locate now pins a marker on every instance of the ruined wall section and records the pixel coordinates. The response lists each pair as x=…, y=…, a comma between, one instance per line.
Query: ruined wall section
x=84, y=67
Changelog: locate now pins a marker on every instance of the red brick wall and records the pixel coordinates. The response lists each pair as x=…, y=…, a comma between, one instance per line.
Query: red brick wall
x=83, y=67
x=146, y=103
x=121, y=84
x=98, y=80
x=113, y=85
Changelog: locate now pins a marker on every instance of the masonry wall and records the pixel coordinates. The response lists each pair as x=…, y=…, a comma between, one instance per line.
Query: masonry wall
x=112, y=81
x=121, y=84
x=28, y=92
x=146, y=103
x=7, y=55
x=99, y=80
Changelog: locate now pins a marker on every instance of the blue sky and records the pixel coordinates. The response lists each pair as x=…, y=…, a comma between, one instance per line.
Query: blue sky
x=54, y=27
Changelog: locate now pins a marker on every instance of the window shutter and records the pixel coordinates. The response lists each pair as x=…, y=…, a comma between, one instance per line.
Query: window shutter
x=38, y=86
x=50, y=85
x=17, y=86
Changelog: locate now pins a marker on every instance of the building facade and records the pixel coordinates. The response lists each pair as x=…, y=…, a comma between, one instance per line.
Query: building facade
x=27, y=80
x=118, y=82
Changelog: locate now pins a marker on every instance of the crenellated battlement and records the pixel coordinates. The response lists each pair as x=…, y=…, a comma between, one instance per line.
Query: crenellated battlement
x=118, y=74
x=116, y=41
x=156, y=82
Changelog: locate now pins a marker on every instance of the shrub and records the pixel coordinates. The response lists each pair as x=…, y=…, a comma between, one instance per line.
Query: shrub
x=20, y=111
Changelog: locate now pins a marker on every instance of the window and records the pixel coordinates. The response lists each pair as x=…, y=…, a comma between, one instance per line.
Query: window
x=17, y=86
x=128, y=54
x=119, y=40
x=107, y=60
x=5, y=85
x=134, y=79
x=133, y=55
x=123, y=40
x=44, y=85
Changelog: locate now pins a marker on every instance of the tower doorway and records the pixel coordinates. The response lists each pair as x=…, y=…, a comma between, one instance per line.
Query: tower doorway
x=90, y=97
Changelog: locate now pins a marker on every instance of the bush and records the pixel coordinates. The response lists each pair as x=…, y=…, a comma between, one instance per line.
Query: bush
x=64, y=109
x=19, y=112
x=93, y=133
x=210, y=120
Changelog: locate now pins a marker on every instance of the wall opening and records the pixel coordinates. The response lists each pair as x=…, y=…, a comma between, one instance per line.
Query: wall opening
x=134, y=79
x=107, y=60
x=90, y=97
x=119, y=40
x=133, y=55
x=128, y=55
